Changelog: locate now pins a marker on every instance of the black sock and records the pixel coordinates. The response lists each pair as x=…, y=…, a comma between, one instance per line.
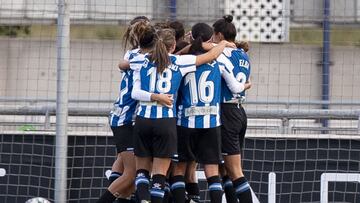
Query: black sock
x=215, y=189
x=133, y=198
x=242, y=189
x=107, y=197
x=113, y=176
x=193, y=191
x=123, y=200
x=142, y=185
x=178, y=188
x=229, y=190
x=167, y=192
x=157, y=188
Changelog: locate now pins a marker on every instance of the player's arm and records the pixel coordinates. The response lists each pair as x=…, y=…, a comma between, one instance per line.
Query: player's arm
x=234, y=85
x=124, y=64
x=141, y=95
x=184, y=50
x=206, y=46
x=213, y=53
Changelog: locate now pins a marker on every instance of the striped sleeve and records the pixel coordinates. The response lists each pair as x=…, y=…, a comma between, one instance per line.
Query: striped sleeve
x=130, y=54
x=186, y=63
x=137, y=93
x=127, y=55
x=234, y=85
x=137, y=62
x=227, y=65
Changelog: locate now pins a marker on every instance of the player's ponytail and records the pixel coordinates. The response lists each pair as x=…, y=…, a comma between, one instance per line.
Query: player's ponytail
x=160, y=53
x=243, y=45
x=129, y=37
x=226, y=28
x=201, y=32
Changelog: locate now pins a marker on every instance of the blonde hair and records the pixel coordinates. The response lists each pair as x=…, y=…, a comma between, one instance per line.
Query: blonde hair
x=130, y=37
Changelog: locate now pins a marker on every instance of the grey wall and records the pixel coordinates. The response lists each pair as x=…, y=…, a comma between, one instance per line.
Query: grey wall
x=312, y=10
x=279, y=71
x=292, y=72
x=30, y=69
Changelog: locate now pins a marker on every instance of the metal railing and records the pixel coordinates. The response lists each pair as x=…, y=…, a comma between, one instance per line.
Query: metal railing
x=285, y=115
x=248, y=101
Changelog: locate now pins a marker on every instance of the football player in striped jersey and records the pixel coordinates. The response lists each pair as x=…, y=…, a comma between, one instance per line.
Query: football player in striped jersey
x=233, y=116
x=121, y=120
x=199, y=118
x=122, y=116
x=155, y=128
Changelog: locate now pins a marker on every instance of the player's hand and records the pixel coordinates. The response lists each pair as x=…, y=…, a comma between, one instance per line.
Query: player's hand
x=124, y=65
x=248, y=84
x=164, y=99
x=188, y=37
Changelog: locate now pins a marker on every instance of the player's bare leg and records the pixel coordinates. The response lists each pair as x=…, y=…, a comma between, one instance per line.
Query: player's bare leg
x=121, y=185
x=233, y=166
x=234, y=170
x=191, y=182
x=229, y=190
x=117, y=169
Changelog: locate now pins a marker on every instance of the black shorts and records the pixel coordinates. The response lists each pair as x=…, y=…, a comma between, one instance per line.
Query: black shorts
x=155, y=137
x=233, y=129
x=124, y=138
x=202, y=145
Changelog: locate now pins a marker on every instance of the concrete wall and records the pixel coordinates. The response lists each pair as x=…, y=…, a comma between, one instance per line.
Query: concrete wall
x=279, y=71
x=312, y=10
x=3, y=67
x=291, y=72
x=31, y=69
x=285, y=72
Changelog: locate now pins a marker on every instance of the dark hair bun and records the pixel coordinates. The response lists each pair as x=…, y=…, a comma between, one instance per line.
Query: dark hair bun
x=228, y=18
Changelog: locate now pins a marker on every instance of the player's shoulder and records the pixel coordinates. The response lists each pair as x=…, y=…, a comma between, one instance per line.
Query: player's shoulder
x=183, y=60
x=228, y=51
x=138, y=61
x=138, y=57
x=134, y=53
x=237, y=53
x=131, y=53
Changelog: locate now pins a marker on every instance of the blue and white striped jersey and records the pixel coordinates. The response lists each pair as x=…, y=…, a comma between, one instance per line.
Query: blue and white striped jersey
x=240, y=67
x=199, y=98
x=167, y=82
x=124, y=108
